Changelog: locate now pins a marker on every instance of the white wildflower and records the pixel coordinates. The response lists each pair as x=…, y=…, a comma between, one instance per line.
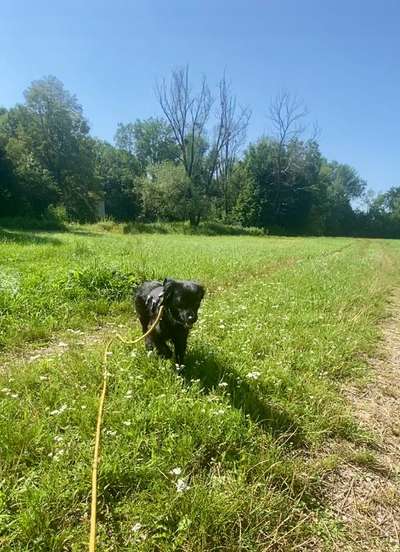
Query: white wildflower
x=181, y=486
x=176, y=471
x=58, y=454
x=223, y=384
x=127, y=422
x=58, y=411
x=136, y=527
x=253, y=375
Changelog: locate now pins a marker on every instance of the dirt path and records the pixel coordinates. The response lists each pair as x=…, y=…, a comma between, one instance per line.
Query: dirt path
x=366, y=491
x=61, y=343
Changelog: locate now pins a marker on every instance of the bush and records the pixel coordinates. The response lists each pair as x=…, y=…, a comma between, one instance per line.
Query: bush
x=108, y=225
x=54, y=219
x=100, y=282
x=204, y=228
x=57, y=213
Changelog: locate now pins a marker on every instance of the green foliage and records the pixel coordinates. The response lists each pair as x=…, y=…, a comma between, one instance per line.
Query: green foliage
x=118, y=172
x=100, y=282
x=151, y=140
x=188, y=167
x=202, y=229
x=31, y=189
x=47, y=141
x=53, y=219
x=166, y=193
x=282, y=199
x=247, y=207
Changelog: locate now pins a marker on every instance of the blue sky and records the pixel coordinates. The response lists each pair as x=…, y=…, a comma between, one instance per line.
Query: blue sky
x=341, y=57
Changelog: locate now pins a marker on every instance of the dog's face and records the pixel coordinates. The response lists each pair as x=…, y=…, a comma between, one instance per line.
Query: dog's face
x=182, y=298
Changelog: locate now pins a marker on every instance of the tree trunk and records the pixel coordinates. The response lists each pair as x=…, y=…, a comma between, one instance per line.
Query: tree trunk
x=194, y=219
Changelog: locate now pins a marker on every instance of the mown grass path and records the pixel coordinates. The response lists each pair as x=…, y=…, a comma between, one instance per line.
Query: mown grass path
x=222, y=456
x=365, y=493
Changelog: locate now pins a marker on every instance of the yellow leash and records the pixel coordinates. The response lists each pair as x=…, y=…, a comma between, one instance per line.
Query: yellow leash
x=96, y=455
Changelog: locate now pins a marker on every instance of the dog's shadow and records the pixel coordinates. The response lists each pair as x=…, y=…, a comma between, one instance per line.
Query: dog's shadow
x=251, y=397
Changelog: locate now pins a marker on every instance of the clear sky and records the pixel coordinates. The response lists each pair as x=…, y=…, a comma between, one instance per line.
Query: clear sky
x=341, y=57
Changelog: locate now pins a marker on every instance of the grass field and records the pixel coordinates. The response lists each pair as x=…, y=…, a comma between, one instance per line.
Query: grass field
x=222, y=456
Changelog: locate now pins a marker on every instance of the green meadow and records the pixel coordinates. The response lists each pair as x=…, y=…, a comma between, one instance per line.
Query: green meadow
x=229, y=453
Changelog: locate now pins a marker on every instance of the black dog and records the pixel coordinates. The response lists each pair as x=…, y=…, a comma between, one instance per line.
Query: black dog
x=181, y=300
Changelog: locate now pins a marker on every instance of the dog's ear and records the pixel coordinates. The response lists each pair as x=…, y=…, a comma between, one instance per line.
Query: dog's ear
x=168, y=285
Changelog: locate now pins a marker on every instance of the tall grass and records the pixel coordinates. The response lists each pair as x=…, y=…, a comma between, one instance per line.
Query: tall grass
x=216, y=457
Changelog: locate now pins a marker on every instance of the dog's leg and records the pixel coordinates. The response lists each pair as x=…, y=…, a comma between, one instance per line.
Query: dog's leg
x=162, y=349
x=156, y=341
x=149, y=343
x=180, y=344
x=144, y=322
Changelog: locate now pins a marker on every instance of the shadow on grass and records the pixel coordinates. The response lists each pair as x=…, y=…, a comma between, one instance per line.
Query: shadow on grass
x=85, y=233
x=251, y=397
x=26, y=238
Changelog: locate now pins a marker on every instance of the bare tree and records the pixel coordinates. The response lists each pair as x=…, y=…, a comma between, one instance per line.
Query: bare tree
x=189, y=116
x=287, y=114
x=230, y=136
x=186, y=113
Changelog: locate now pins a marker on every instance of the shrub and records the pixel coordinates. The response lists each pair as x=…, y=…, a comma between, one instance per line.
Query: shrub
x=204, y=228
x=52, y=220
x=100, y=282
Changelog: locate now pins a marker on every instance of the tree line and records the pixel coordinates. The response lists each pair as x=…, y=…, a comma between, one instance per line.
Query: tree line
x=190, y=164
